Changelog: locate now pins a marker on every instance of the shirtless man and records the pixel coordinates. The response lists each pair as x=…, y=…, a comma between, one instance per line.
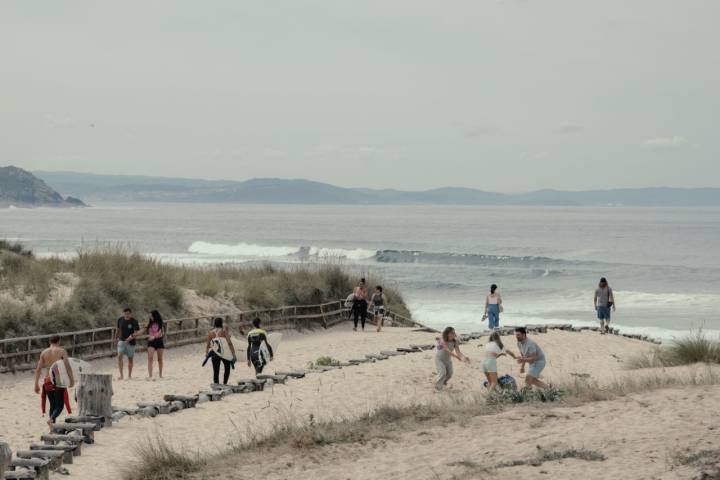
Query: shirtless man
x=56, y=395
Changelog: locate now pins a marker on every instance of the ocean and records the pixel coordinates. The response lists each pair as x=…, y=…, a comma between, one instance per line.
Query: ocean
x=663, y=263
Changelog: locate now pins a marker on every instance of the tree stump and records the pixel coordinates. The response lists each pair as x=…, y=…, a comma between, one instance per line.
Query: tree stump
x=5, y=457
x=95, y=396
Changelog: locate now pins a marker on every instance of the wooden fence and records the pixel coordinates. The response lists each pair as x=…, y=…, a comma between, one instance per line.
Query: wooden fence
x=21, y=353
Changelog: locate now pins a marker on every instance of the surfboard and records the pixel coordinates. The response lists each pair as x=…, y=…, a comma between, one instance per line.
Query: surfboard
x=59, y=375
x=274, y=341
x=221, y=347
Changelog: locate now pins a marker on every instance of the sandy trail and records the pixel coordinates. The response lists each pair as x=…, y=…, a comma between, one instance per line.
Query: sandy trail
x=336, y=394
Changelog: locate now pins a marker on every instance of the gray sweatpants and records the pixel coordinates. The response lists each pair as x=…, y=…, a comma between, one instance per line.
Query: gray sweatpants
x=444, y=367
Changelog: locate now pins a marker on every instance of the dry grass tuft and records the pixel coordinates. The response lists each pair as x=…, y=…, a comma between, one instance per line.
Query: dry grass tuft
x=695, y=348
x=159, y=461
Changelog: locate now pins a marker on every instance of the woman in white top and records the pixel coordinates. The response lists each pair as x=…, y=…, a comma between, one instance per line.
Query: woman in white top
x=493, y=350
x=493, y=307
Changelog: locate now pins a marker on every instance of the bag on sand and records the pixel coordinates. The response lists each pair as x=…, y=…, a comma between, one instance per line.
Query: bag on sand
x=504, y=382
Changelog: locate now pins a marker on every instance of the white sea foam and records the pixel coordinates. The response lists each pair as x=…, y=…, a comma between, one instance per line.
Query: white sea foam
x=466, y=317
x=241, y=250
x=249, y=250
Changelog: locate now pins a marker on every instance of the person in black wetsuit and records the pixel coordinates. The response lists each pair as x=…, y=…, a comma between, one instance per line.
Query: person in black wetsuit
x=360, y=305
x=255, y=355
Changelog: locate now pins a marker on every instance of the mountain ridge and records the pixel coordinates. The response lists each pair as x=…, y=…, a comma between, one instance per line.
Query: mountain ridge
x=277, y=190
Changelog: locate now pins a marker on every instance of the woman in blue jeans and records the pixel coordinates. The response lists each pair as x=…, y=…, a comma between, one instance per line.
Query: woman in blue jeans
x=493, y=307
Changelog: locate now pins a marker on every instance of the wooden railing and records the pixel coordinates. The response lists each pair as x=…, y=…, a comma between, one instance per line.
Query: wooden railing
x=21, y=353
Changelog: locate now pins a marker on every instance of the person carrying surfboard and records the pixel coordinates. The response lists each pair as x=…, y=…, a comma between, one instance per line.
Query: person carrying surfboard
x=58, y=396
x=256, y=354
x=220, y=349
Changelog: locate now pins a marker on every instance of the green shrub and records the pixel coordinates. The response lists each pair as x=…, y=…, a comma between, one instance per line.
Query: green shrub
x=323, y=362
x=525, y=395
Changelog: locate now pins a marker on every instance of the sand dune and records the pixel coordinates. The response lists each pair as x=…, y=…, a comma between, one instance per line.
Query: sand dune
x=337, y=394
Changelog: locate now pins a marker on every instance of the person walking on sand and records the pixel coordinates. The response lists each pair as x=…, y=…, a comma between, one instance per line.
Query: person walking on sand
x=360, y=305
x=218, y=332
x=531, y=354
x=58, y=396
x=494, y=349
x=603, y=301
x=127, y=328
x=447, y=347
x=255, y=353
x=493, y=307
x=155, y=330
x=378, y=305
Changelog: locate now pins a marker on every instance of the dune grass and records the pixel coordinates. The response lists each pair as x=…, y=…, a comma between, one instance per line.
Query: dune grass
x=294, y=434
x=105, y=279
x=695, y=348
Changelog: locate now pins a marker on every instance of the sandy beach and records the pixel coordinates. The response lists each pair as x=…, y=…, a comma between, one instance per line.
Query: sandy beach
x=620, y=427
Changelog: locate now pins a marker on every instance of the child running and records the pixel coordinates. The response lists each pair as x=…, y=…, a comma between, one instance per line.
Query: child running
x=447, y=347
x=255, y=353
x=493, y=349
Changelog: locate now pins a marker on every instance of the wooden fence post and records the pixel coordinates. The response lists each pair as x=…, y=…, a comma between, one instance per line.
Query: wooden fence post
x=5, y=458
x=95, y=396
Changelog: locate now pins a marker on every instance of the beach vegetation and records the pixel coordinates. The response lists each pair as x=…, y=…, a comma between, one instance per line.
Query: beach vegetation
x=694, y=348
x=160, y=461
x=41, y=295
x=324, y=362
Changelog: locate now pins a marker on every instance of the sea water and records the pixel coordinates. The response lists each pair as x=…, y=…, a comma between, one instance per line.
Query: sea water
x=663, y=263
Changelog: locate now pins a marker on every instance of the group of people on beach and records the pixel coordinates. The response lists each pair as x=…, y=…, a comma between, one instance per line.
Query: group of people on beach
x=448, y=344
x=359, y=301
x=128, y=329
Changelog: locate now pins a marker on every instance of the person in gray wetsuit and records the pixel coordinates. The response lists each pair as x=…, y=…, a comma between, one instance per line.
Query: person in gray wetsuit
x=447, y=347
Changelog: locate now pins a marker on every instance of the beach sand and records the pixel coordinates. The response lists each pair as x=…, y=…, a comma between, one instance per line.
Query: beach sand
x=353, y=391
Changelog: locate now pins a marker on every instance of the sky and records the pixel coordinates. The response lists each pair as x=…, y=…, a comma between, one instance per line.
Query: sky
x=510, y=96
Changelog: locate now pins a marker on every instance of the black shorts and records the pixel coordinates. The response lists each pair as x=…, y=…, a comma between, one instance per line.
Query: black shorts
x=157, y=344
x=379, y=310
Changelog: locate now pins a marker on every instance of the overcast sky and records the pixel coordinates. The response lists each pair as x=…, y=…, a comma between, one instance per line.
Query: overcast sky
x=501, y=95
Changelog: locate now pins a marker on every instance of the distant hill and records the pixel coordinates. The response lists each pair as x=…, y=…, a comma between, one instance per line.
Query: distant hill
x=21, y=188
x=123, y=188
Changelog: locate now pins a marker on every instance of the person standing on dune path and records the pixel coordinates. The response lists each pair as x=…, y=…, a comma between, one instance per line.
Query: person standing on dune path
x=360, y=305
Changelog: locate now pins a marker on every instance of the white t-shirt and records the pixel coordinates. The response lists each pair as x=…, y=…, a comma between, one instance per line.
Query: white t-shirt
x=493, y=347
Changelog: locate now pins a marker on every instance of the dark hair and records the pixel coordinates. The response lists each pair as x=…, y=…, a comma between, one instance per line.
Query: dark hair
x=127, y=309
x=378, y=288
x=495, y=337
x=54, y=339
x=256, y=322
x=218, y=322
x=522, y=330
x=446, y=333
x=603, y=281
x=362, y=280
x=155, y=318
x=493, y=287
